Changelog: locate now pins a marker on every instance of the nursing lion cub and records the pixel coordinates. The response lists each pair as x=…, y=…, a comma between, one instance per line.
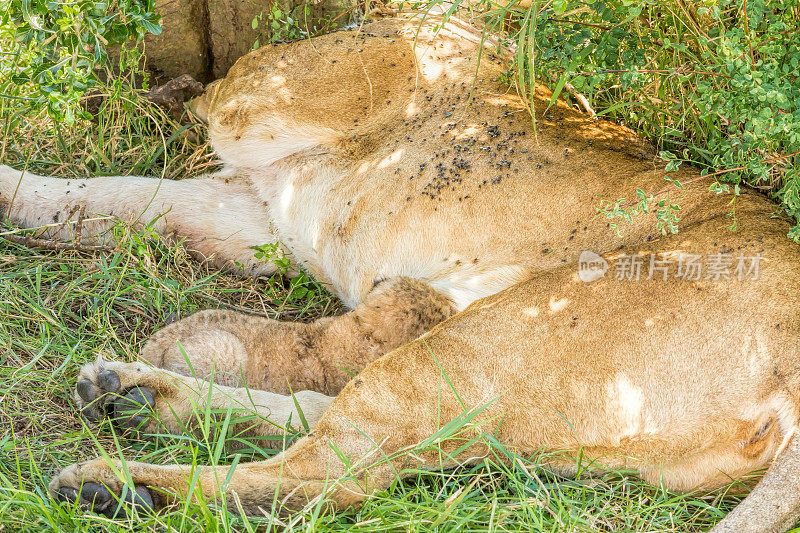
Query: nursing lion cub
x=396, y=167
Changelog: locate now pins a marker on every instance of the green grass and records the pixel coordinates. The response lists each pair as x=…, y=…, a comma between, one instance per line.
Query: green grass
x=60, y=310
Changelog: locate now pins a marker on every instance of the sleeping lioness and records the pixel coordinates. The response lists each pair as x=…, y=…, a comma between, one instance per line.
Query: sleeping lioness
x=409, y=179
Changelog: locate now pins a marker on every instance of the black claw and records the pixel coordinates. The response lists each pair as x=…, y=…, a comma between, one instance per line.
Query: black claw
x=131, y=425
x=96, y=496
x=131, y=411
x=91, y=413
x=99, y=499
x=108, y=380
x=67, y=495
x=139, y=498
x=112, y=511
x=86, y=390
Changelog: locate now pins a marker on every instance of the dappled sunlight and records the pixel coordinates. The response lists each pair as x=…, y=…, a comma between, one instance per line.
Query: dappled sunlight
x=438, y=59
x=626, y=399
x=465, y=286
x=277, y=85
x=756, y=354
x=673, y=254
x=511, y=101
x=576, y=277
x=412, y=109
x=557, y=305
x=285, y=95
x=431, y=70
x=392, y=159
x=467, y=132
x=590, y=128
x=287, y=195
x=363, y=168
x=531, y=312
x=368, y=165
x=313, y=228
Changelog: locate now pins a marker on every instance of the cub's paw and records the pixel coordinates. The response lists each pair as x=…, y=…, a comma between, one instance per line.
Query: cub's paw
x=95, y=487
x=124, y=392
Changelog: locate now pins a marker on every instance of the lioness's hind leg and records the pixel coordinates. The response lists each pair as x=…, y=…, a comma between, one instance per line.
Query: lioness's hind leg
x=378, y=428
x=236, y=349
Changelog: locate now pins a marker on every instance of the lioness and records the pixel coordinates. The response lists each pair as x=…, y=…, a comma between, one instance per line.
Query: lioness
x=412, y=187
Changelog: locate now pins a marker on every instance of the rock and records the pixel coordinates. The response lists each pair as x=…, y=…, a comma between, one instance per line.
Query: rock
x=204, y=38
x=174, y=93
x=182, y=47
x=232, y=34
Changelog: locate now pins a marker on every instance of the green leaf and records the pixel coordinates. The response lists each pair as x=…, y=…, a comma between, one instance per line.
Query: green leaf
x=151, y=27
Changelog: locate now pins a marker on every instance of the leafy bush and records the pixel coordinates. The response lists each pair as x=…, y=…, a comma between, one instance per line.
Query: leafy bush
x=53, y=51
x=280, y=27
x=54, y=62
x=713, y=82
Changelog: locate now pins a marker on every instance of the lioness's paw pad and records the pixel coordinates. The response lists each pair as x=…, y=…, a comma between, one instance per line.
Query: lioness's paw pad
x=99, y=499
x=108, y=388
x=109, y=498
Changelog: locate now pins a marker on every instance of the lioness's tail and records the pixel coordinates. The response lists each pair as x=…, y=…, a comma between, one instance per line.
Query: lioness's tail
x=774, y=504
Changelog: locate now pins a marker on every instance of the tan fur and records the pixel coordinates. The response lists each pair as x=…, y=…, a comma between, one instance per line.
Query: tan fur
x=331, y=147
x=182, y=400
x=278, y=356
x=691, y=384
x=373, y=159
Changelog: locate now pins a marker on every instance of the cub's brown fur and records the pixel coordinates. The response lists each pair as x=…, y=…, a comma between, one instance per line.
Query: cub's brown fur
x=373, y=156
x=281, y=357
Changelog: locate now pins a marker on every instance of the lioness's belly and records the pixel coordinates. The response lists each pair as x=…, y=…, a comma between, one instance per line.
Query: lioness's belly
x=466, y=249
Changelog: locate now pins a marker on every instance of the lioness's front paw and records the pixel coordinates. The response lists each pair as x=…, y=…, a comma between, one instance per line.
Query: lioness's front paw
x=95, y=487
x=117, y=390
